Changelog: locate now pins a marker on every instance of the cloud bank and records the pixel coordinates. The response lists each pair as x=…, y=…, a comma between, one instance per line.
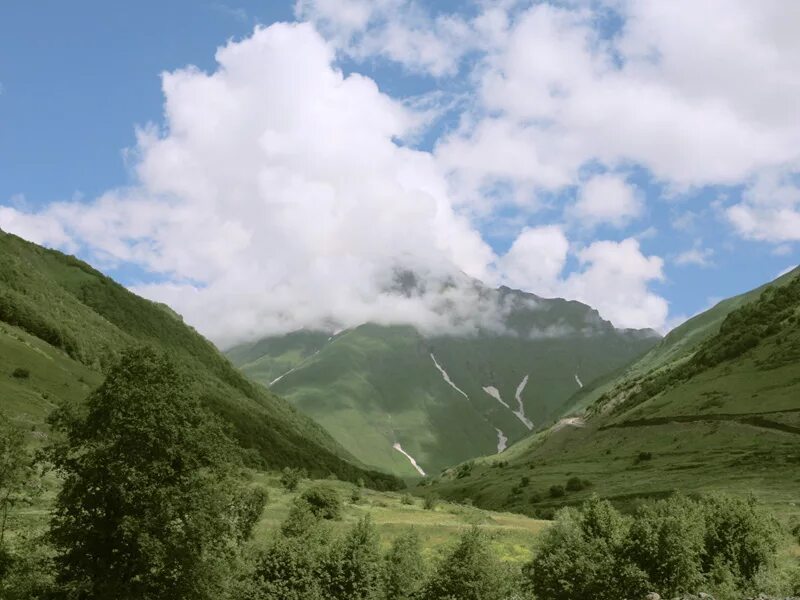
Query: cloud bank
x=280, y=193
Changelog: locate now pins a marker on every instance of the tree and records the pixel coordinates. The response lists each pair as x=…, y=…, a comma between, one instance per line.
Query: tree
x=352, y=568
x=18, y=477
x=324, y=502
x=290, y=478
x=469, y=572
x=148, y=508
x=403, y=568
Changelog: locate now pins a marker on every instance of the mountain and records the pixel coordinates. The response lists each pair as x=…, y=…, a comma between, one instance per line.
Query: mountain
x=412, y=404
x=714, y=406
x=62, y=323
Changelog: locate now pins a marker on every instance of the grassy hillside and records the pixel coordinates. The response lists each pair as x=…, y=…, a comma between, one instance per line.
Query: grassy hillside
x=723, y=416
x=62, y=323
x=376, y=386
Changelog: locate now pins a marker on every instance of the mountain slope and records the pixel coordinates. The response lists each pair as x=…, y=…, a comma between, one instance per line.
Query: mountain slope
x=62, y=323
x=724, y=414
x=390, y=394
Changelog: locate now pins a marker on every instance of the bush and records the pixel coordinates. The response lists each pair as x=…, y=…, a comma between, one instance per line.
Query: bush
x=644, y=456
x=21, y=373
x=407, y=499
x=356, y=496
x=672, y=546
x=524, y=481
x=431, y=502
x=557, y=491
x=286, y=570
x=352, y=569
x=324, y=502
x=290, y=478
x=469, y=572
x=576, y=484
x=403, y=569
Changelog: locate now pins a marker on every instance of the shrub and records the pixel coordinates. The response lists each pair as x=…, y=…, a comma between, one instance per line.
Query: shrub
x=290, y=478
x=576, y=484
x=324, y=502
x=403, y=568
x=557, y=491
x=469, y=572
x=352, y=568
x=431, y=502
x=356, y=495
x=524, y=481
x=286, y=570
x=407, y=499
x=21, y=373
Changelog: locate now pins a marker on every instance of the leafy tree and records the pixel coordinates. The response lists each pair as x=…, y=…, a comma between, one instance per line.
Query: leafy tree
x=286, y=570
x=352, y=568
x=301, y=520
x=148, y=509
x=469, y=572
x=403, y=568
x=582, y=556
x=324, y=502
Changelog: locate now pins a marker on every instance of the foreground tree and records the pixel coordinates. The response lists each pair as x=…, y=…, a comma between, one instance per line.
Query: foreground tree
x=403, y=570
x=148, y=509
x=352, y=568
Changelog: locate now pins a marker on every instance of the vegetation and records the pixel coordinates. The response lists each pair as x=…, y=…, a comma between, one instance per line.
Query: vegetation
x=66, y=325
x=147, y=508
x=673, y=547
x=323, y=501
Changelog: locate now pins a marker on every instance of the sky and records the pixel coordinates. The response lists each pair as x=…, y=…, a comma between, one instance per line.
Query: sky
x=266, y=166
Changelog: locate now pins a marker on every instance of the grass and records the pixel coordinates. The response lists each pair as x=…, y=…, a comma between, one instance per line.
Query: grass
x=513, y=535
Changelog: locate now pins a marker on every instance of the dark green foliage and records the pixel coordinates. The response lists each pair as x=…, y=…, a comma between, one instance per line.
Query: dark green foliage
x=671, y=546
x=524, y=481
x=21, y=373
x=557, y=491
x=430, y=502
x=19, y=481
x=286, y=570
x=352, y=569
x=27, y=569
x=576, y=484
x=469, y=572
x=644, y=456
x=356, y=496
x=300, y=521
x=403, y=570
x=324, y=502
x=290, y=478
x=148, y=508
x=407, y=499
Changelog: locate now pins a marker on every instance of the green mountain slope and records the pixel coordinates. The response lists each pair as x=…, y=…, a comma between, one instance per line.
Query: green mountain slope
x=722, y=415
x=389, y=393
x=62, y=323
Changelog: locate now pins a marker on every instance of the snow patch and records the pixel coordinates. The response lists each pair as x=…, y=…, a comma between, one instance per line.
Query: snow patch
x=520, y=412
x=292, y=370
x=447, y=379
x=502, y=441
x=413, y=462
x=578, y=380
x=495, y=393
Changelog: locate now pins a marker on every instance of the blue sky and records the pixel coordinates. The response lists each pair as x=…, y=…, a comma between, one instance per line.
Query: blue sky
x=707, y=213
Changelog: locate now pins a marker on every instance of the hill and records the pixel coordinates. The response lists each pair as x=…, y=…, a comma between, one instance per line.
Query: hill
x=63, y=322
x=413, y=404
x=715, y=406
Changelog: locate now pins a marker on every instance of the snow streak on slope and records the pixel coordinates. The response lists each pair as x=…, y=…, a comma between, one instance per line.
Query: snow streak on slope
x=495, y=393
x=502, y=441
x=578, y=380
x=399, y=448
x=521, y=411
x=292, y=370
x=447, y=379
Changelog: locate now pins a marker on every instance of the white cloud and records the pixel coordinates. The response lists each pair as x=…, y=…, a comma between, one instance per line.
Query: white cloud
x=606, y=198
x=769, y=210
x=697, y=256
x=614, y=276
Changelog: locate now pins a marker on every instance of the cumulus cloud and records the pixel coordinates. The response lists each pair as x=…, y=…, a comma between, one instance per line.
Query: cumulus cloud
x=769, y=210
x=613, y=276
x=697, y=256
x=280, y=193
x=606, y=198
